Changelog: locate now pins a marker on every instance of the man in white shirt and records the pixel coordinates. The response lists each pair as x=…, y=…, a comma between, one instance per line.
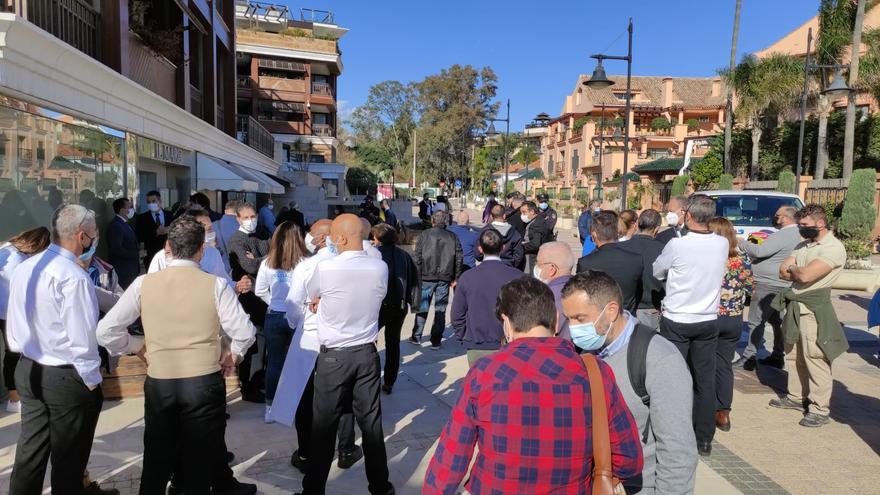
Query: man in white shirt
x=347, y=292
x=51, y=320
x=693, y=267
x=185, y=394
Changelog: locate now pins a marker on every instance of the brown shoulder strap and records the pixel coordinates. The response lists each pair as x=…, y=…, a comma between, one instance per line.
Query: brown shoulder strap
x=603, y=476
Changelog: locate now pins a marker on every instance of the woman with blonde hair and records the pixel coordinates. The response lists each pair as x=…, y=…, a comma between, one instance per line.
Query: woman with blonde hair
x=735, y=286
x=286, y=250
x=19, y=248
x=627, y=223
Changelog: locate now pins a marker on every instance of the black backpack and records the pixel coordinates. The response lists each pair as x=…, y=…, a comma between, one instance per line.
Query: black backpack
x=636, y=366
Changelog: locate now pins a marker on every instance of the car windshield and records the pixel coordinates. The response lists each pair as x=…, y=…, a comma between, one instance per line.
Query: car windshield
x=752, y=210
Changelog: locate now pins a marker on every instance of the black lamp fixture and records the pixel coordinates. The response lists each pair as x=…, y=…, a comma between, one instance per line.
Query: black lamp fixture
x=491, y=132
x=838, y=87
x=598, y=80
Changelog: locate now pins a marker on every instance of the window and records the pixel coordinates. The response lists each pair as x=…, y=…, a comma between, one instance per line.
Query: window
x=321, y=78
x=574, y=164
x=704, y=119
x=316, y=158
x=746, y=210
x=281, y=74
x=321, y=118
x=654, y=154
x=550, y=166
x=620, y=95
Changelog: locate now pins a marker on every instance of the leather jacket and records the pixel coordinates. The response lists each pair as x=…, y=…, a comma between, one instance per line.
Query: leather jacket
x=438, y=255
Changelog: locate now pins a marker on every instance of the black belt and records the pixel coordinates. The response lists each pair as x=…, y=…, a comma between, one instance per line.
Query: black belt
x=324, y=348
x=60, y=366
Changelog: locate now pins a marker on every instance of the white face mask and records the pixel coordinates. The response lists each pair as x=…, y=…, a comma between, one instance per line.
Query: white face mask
x=130, y=213
x=249, y=225
x=597, y=209
x=536, y=272
x=525, y=218
x=210, y=237
x=154, y=207
x=270, y=205
x=310, y=243
x=672, y=218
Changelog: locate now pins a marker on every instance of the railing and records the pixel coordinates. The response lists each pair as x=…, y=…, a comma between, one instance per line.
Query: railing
x=323, y=89
x=322, y=130
x=314, y=15
x=243, y=82
x=195, y=100
x=73, y=21
x=253, y=134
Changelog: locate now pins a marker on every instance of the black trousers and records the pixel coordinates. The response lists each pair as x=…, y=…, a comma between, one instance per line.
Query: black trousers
x=729, y=331
x=697, y=343
x=303, y=423
x=58, y=419
x=391, y=318
x=184, y=418
x=10, y=360
x=347, y=377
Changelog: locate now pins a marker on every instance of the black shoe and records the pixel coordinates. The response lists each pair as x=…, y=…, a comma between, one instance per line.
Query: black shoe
x=773, y=361
x=236, y=488
x=254, y=396
x=748, y=364
x=787, y=403
x=298, y=462
x=414, y=341
x=387, y=389
x=348, y=459
x=813, y=420
x=95, y=489
x=704, y=448
x=175, y=490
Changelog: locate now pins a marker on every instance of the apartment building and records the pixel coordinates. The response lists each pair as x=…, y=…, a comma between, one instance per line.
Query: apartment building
x=583, y=149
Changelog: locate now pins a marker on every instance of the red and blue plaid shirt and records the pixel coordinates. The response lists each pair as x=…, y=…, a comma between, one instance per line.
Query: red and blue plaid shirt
x=528, y=407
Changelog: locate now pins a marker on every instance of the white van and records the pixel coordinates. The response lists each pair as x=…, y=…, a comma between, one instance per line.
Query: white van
x=751, y=211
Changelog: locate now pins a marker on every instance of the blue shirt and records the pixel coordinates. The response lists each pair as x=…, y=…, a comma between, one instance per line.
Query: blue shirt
x=621, y=341
x=266, y=218
x=468, y=238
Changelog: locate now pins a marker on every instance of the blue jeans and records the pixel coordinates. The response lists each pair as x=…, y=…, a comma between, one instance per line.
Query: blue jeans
x=439, y=291
x=277, y=334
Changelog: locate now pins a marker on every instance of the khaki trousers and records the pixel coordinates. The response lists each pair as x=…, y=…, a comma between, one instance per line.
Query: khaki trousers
x=809, y=371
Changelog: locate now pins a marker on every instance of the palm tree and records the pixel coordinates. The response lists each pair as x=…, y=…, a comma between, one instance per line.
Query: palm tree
x=869, y=71
x=765, y=88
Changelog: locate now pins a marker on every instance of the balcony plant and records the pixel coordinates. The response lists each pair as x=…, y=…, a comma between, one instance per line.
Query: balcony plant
x=661, y=124
x=857, y=218
x=693, y=125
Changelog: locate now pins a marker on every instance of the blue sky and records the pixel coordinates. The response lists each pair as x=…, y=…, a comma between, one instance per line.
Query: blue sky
x=538, y=48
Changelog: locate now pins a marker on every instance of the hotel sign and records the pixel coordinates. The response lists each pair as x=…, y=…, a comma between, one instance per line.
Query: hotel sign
x=155, y=150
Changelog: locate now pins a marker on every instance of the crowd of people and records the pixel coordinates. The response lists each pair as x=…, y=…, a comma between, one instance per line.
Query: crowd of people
x=583, y=372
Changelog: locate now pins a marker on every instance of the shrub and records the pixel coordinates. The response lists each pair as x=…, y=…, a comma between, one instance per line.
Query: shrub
x=660, y=123
x=707, y=171
x=785, y=183
x=693, y=124
x=725, y=182
x=857, y=219
x=679, y=185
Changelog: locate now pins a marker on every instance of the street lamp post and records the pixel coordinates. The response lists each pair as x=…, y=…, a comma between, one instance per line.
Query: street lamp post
x=600, y=81
x=490, y=132
x=837, y=88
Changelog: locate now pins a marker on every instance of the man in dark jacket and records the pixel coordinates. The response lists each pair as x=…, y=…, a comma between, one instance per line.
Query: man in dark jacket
x=425, y=208
x=439, y=258
x=675, y=219
x=648, y=312
x=616, y=259
x=473, y=309
x=123, y=244
x=292, y=215
x=468, y=237
x=404, y=290
x=512, y=213
x=585, y=221
x=538, y=232
x=152, y=225
x=512, y=252
x=547, y=211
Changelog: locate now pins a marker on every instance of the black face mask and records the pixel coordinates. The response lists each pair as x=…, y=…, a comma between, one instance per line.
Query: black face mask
x=776, y=223
x=809, y=233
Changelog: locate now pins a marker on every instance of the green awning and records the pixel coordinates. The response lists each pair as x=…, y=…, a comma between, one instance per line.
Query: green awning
x=535, y=173
x=630, y=177
x=671, y=165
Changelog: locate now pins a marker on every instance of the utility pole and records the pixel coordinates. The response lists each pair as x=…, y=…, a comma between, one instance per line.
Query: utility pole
x=850, y=131
x=415, y=144
x=728, y=112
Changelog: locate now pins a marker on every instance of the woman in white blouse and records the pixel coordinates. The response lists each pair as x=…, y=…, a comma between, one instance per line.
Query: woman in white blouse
x=286, y=249
x=12, y=253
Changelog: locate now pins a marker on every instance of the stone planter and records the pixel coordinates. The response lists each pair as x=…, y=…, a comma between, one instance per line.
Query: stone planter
x=852, y=279
x=563, y=223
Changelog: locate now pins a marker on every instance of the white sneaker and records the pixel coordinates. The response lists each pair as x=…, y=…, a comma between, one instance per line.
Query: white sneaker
x=13, y=406
x=266, y=415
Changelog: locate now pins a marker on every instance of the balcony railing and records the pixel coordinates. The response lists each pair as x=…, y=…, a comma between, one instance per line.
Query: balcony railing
x=314, y=15
x=322, y=130
x=322, y=89
x=251, y=133
x=73, y=21
x=243, y=82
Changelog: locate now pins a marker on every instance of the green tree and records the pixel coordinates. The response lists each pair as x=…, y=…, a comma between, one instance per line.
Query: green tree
x=679, y=185
x=706, y=172
x=660, y=123
x=725, y=182
x=386, y=122
x=693, y=125
x=859, y=213
x=785, y=183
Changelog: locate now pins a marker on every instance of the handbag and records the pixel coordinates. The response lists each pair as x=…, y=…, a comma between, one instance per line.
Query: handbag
x=604, y=481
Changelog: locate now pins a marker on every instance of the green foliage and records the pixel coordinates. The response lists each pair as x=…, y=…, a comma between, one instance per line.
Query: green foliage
x=583, y=194
x=706, y=172
x=580, y=123
x=679, y=185
x=383, y=126
x=859, y=213
x=660, y=124
x=525, y=155
x=294, y=32
x=725, y=182
x=856, y=249
x=785, y=183
x=693, y=124
x=618, y=122
x=360, y=181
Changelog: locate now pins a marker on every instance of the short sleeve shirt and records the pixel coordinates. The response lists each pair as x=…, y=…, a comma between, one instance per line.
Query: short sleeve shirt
x=830, y=251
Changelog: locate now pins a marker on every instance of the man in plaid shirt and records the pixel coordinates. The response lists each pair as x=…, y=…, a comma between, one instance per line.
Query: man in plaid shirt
x=529, y=408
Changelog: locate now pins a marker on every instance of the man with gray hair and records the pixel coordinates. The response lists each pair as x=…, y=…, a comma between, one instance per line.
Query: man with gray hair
x=52, y=316
x=693, y=267
x=553, y=266
x=675, y=213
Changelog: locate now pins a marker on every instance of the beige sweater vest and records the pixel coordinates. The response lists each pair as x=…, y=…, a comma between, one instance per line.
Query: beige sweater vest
x=181, y=326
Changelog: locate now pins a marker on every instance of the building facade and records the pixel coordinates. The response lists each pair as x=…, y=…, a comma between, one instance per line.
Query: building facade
x=582, y=151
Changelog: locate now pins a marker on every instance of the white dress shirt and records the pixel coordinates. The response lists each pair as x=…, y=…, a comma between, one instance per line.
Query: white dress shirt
x=371, y=250
x=297, y=304
x=113, y=329
x=9, y=259
x=53, y=312
x=211, y=262
x=351, y=286
x=272, y=286
x=693, y=267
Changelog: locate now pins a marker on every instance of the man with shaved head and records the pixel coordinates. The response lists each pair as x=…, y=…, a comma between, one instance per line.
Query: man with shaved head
x=553, y=267
x=467, y=237
x=346, y=293
x=366, y=227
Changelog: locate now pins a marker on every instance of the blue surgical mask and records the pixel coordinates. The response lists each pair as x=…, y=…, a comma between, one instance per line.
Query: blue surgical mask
x=87, y=255
x=586, y=337
x=543, y=206
x=331, y=247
